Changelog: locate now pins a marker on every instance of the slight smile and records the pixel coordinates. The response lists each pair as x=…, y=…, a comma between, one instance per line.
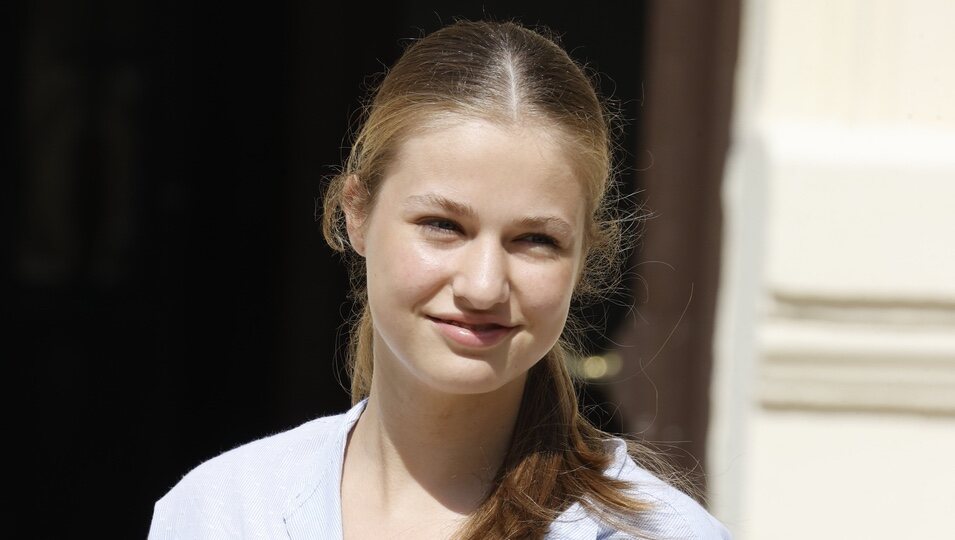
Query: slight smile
x=472, y=334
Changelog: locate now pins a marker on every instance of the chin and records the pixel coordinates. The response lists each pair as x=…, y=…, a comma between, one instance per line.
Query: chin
x=479, y=378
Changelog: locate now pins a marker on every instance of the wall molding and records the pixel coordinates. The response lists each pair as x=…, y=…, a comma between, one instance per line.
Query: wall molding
x=884, y=360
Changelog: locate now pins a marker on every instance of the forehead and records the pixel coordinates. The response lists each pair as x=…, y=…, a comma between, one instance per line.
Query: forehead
x=512, y=176
x=523, y=157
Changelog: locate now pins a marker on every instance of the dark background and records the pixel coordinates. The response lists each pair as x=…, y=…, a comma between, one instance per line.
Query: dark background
x=169, y=293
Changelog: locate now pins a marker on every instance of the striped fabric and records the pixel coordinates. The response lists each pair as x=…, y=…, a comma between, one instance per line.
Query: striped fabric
x=287, y=486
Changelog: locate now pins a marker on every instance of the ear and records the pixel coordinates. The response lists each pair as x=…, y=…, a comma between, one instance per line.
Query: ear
x=355, y=206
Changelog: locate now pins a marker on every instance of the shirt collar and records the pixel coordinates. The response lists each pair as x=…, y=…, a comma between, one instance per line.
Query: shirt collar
x=314, y=511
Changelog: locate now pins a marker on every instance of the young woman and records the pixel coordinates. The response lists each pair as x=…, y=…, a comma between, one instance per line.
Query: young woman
x=475, y=200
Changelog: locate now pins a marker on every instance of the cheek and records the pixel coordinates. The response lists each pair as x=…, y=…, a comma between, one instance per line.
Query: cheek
x=547, y=291
x=404, y=271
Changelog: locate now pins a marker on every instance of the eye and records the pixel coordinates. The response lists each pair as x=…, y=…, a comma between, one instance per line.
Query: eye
x=440, y=226
x=542, y=240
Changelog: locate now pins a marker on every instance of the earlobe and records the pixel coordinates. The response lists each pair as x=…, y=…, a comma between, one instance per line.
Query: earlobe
x=354, y=203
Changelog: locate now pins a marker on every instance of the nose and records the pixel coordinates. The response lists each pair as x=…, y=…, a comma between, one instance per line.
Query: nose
x=482, y=279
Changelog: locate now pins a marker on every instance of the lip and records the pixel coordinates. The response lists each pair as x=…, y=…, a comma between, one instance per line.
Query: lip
x=475, y=333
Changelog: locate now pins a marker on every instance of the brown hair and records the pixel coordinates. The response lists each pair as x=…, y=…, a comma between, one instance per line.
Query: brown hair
x=504, y=73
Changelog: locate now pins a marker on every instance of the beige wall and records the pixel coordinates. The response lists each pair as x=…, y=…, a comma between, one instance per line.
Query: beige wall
x=834, y=382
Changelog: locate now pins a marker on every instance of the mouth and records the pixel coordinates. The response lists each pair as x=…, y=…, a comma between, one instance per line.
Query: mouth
x=472, y=327
x=472, y=335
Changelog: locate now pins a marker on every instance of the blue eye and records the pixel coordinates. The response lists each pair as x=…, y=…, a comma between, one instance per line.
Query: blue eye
x=440, y=226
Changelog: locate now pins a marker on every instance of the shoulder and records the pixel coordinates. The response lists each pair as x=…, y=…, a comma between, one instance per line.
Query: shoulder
x=275, y=454
x=258, y=478
x=673, y=514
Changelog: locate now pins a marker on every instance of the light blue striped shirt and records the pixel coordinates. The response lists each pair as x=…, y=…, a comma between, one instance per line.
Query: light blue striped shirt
x=288, y=486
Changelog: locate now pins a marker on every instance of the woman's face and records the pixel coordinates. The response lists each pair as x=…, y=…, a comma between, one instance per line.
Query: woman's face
x=472, y=251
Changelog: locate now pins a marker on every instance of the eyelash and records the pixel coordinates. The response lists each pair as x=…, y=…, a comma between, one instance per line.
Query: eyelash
x=436, y=225
x=446, y=226
x=543, y=240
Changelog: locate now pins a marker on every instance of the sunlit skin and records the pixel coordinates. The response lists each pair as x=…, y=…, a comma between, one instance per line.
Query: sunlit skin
x=472, y=251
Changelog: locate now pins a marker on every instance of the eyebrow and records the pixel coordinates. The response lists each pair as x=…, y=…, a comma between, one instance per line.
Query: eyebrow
x=554, y=223
x=432, y=199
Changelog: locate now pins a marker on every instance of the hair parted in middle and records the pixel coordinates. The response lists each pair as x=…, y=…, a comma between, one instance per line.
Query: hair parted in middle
x=506, y=74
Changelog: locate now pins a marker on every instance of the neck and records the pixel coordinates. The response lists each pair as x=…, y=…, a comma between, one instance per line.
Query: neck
x=449, y=448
